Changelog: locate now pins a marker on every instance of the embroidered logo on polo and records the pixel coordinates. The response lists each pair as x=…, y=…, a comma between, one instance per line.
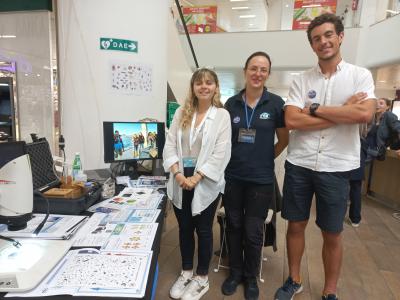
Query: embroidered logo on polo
x=312, y=94
x=265, y=116
x=236, y=119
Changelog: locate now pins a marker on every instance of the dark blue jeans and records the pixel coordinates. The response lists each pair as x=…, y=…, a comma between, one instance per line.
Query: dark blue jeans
x=202, y=224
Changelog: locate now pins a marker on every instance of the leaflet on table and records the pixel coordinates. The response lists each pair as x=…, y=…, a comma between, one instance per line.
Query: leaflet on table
x=131, y=237
x=95, y=232
x=56, y=227
x=122, y=275
x=125, y=201
x=152, y=181
x=98, y=232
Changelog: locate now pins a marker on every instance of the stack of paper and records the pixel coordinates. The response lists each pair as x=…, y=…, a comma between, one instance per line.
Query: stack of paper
x=56, y=227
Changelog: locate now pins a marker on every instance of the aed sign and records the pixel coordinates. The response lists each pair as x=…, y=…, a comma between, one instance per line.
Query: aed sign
x=118, y=44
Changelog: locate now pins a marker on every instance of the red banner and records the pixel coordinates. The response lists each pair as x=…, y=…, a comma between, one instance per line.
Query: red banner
x=307, y=10
x=202, y=19
x=354, y=5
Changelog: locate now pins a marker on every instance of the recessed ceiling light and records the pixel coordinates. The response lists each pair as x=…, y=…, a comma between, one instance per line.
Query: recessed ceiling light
x=8, y=36
x=287, y=5
x=247, y=16
x=381, y=80
x=294, y=73
x=312, y=5
x=240, y=7
x=239, y=0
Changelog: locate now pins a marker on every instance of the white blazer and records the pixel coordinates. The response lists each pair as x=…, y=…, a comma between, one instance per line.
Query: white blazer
x=213, y=158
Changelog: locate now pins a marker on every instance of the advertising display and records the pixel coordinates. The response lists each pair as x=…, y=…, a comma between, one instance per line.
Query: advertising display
x=306, y=10
x=202, y=19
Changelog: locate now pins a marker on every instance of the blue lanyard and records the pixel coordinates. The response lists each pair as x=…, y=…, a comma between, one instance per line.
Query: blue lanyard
x=248, y=122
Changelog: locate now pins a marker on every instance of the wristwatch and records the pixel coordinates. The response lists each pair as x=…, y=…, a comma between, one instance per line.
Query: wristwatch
x=313, y=109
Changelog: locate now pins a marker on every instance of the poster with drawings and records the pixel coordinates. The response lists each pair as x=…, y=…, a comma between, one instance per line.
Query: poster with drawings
x=131, y=78
x=89, y=272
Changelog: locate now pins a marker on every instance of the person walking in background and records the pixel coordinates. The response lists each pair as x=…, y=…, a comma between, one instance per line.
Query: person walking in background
x=256, y=116
x=324, y=107
x=196, y=152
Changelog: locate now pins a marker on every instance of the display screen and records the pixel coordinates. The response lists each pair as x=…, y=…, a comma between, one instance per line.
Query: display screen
x=124, y=141
x=10, y=151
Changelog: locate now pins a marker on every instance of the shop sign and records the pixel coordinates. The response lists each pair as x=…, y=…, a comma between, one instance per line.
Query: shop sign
x=200, y=19
x=307, y=10
x=118, y=44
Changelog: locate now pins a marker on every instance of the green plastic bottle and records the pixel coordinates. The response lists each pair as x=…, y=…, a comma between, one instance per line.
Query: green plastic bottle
x=76, y=165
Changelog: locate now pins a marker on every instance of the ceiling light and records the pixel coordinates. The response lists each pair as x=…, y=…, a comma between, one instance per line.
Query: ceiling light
x=247, y=16
x=251, y=24
x=381, y=80
x=8, y=36
x=287, y=5
x=240, y=7
x=312, y=5
x=294, y=73
x=3, y=84
x=239, y=0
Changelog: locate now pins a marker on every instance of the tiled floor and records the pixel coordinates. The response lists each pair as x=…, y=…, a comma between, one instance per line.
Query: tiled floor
x=371, y=265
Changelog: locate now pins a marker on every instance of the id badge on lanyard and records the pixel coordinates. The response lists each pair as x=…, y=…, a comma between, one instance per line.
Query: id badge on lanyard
x=248, y=135
x=189, y=162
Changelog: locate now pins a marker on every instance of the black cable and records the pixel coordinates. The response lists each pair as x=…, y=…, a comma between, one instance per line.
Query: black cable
x=63, y=151
x=40, y=226
x=178, y=5
x=15, y=243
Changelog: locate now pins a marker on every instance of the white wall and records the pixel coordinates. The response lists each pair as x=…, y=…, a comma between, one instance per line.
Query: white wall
x=383, y=43
x=179, y=72
x=288, y=49
x=31, y=51
x=85, y=93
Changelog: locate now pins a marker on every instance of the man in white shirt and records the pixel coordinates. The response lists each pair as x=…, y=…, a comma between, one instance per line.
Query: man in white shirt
x=324, y=107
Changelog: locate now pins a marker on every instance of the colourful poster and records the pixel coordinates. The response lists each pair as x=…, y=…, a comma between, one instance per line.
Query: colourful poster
x=306, y=10
x=201, y=19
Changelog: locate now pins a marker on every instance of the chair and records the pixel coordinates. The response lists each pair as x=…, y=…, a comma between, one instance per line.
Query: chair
x=221, y=214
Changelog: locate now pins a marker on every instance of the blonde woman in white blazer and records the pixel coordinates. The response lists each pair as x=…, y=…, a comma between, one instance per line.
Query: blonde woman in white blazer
x=196, y=152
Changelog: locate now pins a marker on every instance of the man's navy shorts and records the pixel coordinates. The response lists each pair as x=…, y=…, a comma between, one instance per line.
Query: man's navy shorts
x=331, y=191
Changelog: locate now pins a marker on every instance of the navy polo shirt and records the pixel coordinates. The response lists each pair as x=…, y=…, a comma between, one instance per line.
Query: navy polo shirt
x=254, y=162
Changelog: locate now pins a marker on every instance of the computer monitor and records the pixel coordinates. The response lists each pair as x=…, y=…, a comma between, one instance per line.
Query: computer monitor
x=133, y=141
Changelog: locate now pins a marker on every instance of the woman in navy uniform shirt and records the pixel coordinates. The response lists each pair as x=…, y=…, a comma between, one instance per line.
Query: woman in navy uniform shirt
x=256, y=115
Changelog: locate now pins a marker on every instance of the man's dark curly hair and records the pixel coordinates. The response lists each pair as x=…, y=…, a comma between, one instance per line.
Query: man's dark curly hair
x=325, y=18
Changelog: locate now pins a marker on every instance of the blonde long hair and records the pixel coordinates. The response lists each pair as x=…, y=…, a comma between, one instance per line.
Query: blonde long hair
x=191, y=102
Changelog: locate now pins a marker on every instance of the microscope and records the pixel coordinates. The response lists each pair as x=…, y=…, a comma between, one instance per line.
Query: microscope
x=16, y=188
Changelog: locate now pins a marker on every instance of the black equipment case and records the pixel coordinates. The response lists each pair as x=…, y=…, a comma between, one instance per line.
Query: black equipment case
x=44, y=178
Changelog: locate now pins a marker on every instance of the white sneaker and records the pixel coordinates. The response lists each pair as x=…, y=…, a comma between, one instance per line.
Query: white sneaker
x=355, y=225
x=180, y=285
x=196, y=289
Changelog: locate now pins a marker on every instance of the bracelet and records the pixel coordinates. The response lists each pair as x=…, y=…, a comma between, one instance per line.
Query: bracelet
x=201, y=175
x=176, y=173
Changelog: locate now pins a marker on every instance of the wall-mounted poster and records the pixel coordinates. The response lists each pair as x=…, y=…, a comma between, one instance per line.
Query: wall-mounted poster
x=201, y=19
x=131, y=78
x=307, y=10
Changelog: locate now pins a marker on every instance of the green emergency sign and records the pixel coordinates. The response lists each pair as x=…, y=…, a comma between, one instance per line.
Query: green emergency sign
x=118, y=44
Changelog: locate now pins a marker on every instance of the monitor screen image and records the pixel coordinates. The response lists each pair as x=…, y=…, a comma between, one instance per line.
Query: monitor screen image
x=125, y=141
